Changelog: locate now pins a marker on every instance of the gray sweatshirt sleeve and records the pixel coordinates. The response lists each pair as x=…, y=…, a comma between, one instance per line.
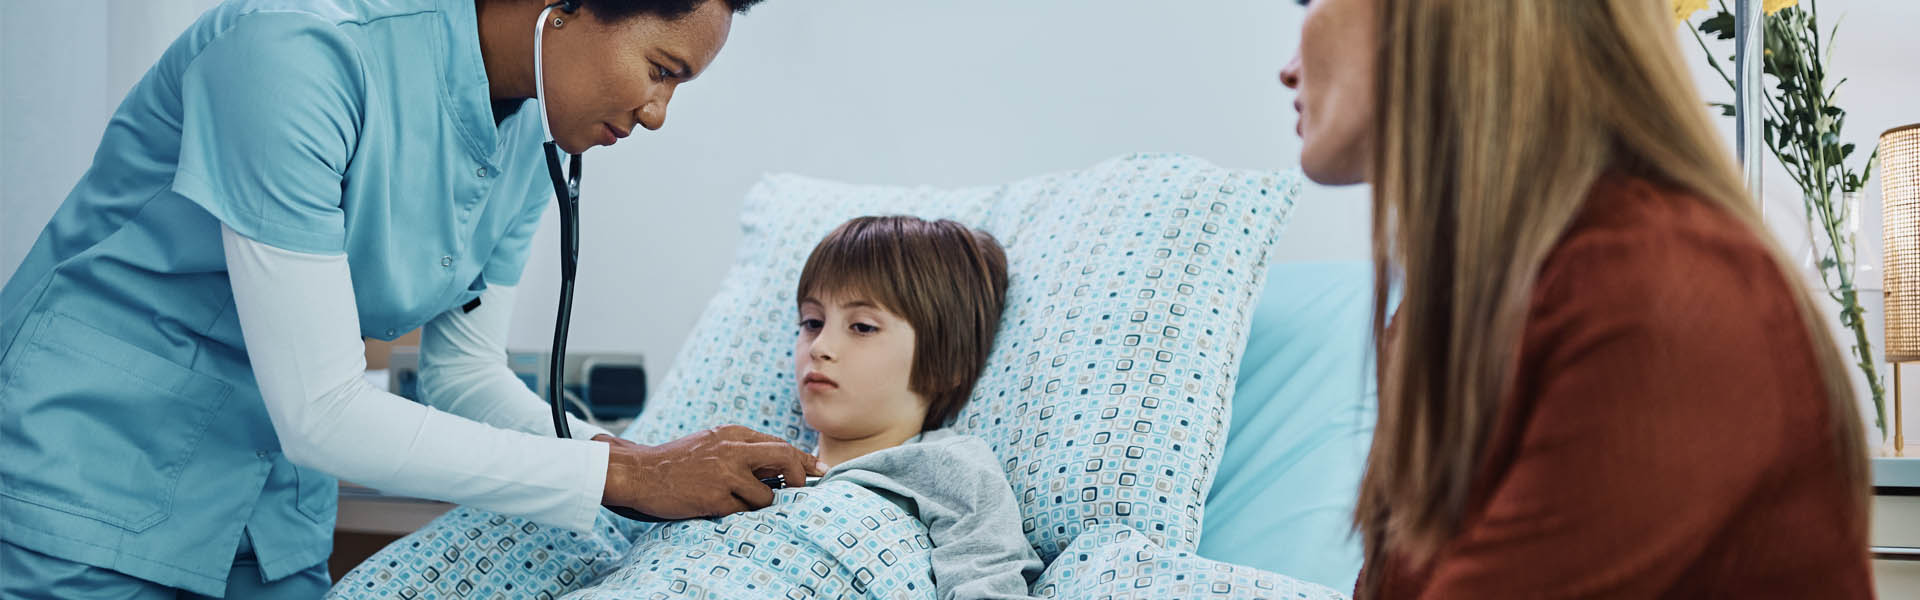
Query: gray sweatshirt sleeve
x=963, y=497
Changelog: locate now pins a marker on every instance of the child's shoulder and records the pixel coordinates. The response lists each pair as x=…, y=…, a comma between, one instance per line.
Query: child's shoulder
x=939, y=457
x=948, y=440
x=960, y=453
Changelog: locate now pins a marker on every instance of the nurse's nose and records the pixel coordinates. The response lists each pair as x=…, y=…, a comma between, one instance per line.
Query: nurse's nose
x=653, y=115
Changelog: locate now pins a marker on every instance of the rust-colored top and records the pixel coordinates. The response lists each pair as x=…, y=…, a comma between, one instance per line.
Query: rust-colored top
x=1667, y=434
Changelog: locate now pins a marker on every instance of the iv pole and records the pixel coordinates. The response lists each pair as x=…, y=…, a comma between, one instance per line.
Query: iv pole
x=1749, y=39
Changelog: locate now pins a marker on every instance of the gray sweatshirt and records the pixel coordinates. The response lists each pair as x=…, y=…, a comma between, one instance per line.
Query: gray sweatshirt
x=953, y=484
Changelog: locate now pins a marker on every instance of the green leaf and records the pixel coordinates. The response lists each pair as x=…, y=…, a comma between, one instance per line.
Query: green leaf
x=1846, y=151
x=1720, y=26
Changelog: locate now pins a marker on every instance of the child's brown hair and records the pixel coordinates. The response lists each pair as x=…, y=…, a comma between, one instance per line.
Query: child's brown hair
x=948, y=281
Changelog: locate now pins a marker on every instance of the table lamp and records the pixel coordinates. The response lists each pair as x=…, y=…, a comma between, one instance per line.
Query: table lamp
x=1900, y=200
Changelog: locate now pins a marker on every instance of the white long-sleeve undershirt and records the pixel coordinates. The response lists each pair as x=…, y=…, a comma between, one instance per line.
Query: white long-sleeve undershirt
x=495, y=451
x=463, y=370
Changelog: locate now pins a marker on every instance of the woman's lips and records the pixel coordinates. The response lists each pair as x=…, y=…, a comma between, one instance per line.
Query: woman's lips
x=610, y=135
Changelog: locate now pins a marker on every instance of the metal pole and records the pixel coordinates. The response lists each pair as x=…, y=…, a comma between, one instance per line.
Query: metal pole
x=1749, y=44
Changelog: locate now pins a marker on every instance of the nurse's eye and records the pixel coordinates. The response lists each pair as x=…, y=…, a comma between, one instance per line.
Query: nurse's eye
x=811, y=325
x=863, y=328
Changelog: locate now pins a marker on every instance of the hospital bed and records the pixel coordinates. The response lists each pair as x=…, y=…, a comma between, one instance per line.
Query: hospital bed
x=1179, y=416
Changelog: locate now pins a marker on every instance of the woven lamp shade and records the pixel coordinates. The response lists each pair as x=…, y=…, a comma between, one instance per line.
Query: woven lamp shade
x=1900, y=197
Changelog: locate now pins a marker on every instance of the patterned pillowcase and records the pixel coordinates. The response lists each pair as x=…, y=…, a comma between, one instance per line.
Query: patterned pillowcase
x=1117, y=563
x=1106, y=394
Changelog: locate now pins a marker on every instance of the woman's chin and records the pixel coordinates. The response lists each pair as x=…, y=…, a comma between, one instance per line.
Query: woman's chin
x=1330, y=170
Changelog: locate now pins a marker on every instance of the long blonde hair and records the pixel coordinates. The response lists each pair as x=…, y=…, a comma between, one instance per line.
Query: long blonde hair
x=1495, y=119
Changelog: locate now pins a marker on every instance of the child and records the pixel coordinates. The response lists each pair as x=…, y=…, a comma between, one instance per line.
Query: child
x=897, y=316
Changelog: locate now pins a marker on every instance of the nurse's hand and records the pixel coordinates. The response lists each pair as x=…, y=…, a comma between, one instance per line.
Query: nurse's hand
x=710, y=473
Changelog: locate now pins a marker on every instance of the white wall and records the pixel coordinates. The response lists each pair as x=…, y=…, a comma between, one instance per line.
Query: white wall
x=946, y=93
x=62, y=73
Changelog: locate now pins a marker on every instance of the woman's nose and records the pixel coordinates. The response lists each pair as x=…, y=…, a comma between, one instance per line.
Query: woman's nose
x=1290, y=74
x=653, y=114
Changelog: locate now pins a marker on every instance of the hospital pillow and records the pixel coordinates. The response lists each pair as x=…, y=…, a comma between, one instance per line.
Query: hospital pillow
x=1302, y=421
x=1107, y=391
x=1113, y=562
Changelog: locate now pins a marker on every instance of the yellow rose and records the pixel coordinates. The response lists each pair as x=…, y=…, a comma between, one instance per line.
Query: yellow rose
x=1682, y=9
x=1774, y=6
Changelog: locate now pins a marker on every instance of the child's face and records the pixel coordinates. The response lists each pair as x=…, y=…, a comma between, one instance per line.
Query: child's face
x=853, y=362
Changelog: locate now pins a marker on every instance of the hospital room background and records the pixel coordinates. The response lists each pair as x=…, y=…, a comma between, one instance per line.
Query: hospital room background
x=943, y=93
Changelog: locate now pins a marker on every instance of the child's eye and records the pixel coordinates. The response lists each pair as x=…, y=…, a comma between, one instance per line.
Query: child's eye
x=662, y=73
x=864, y=328
x=811, y=324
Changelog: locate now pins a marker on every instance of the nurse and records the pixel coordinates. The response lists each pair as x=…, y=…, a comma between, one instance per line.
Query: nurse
x=180, y=352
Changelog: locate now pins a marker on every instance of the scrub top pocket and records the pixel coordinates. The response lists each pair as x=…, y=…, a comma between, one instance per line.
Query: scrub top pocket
x=141, y=413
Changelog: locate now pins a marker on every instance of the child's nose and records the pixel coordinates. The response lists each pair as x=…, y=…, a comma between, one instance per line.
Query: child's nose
x=820, y=350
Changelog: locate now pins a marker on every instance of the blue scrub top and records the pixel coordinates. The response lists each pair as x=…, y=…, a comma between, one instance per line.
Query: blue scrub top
x=133, y=433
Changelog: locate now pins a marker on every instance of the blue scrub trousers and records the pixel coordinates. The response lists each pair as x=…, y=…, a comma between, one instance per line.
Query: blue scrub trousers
x=25, y=574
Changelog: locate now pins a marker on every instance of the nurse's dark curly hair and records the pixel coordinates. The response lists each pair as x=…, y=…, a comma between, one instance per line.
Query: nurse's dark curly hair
x=615, y=11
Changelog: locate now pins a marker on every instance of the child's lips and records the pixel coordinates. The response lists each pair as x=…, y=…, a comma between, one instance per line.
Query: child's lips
x=817, y=382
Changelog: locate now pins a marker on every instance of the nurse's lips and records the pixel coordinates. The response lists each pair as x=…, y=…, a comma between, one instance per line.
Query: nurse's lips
x=613, y=135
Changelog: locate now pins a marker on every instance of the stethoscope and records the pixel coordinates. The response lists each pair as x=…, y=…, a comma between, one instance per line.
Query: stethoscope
x=566, y=189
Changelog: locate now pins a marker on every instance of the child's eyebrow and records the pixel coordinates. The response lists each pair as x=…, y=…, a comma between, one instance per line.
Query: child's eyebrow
x=850, y=304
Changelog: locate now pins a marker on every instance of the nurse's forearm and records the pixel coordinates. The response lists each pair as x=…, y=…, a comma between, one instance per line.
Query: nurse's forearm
x=463, y=370
x=383, y=441
x=297, y=315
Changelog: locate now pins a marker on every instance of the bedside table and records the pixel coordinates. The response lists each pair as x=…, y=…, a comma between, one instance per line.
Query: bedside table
x=366, y=510
x=1895, y=533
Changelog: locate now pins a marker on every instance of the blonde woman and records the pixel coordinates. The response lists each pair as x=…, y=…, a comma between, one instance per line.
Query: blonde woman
x=1603, y=380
